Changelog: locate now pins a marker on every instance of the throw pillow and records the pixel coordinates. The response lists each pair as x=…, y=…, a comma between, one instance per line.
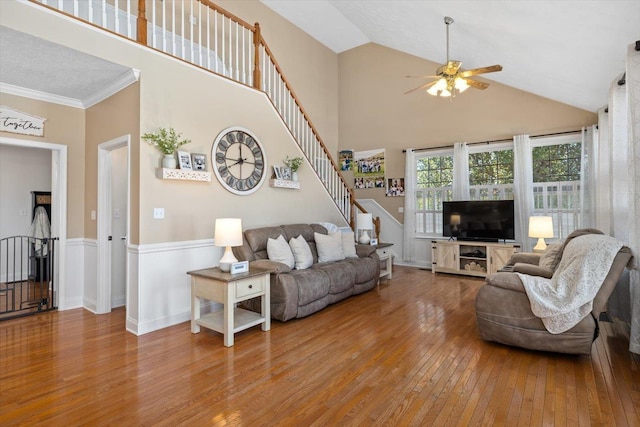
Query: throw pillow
x=549, y=258
x=329, y=246
x=279, y=250
x=301, y=252
x=349, y=244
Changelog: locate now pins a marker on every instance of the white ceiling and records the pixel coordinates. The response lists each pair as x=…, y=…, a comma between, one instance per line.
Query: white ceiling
x=37, y=68
x=569, y=51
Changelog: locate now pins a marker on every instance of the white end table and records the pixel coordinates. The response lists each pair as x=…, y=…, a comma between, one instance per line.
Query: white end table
x=215, y=285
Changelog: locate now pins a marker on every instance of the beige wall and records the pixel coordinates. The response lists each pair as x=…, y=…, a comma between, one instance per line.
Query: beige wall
x=375, y=113
x=65, y=126
x=200, y=106
x=116, y=116
x=310, y=67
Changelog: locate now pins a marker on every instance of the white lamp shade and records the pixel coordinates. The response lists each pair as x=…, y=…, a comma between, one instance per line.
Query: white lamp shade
x=228, y=232
x=455, y=219
x=540, y=226
x=365, y=221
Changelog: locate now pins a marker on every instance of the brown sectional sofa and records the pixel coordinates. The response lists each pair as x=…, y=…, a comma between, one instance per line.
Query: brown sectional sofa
x=299, y=293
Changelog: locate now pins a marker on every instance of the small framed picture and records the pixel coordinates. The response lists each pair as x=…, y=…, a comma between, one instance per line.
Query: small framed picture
x=277, y=172
x=199, y=162
x=373, y=242
x=286, y=173
x=184, y=160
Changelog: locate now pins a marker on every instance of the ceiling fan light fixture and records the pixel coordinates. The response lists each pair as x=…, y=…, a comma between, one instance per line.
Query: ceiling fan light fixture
x=438, y=88
x=461, y=84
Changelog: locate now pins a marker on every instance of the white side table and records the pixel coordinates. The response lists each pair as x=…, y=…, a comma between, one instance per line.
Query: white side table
x=215, y=285
x=384, y=253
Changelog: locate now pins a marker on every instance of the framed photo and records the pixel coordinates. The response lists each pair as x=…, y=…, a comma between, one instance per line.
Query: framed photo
x=277, y=172
x=184, y=160
x=286, y=173
x=199, y=162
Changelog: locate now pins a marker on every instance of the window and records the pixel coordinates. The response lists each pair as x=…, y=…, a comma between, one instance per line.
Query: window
x=556, y=181
x=491, y=173
x=434, y=175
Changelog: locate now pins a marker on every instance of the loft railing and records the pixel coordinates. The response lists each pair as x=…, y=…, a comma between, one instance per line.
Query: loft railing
x=203, y=34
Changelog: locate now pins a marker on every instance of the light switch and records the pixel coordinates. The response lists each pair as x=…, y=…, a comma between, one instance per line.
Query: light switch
x=400, y=209
x=93, y=215
x=158, y=213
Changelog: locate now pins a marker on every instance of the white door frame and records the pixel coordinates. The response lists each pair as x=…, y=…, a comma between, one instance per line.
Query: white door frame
x=103, y=294
x=58, y=208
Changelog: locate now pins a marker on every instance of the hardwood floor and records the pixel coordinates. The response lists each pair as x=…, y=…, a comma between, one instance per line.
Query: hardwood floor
x=405, y=354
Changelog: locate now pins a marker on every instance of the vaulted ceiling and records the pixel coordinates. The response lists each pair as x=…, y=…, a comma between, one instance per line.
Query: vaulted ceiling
x=568, y=51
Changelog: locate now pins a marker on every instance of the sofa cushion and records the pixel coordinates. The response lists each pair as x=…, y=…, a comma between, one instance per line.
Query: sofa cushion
x=279, y=251
x=366, y=269
x=301, y=252
x=329, y=247
x=256, y=239
x=341, y=275
x=312, y=284
x=307, y=231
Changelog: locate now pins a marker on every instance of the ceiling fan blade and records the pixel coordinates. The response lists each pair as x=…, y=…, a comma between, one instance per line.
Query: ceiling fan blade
x=476, y=84
x=422, y=77
x=424, y=86
x=483, y=70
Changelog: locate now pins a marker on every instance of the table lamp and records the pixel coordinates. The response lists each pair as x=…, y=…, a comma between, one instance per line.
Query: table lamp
x=540, y=227
x=365, y=223
x=228, y=233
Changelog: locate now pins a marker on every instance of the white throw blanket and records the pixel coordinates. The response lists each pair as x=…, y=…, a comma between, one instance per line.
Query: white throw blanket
x=567, y=298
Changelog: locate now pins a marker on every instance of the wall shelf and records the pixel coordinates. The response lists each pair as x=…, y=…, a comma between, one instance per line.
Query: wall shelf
x=184, y=175
x=284, y=183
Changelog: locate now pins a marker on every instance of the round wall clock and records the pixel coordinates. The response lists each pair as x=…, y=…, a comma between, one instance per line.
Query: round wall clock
x=239, y=161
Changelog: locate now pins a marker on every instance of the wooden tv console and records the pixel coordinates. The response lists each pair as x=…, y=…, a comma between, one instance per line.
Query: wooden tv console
x=470, y=258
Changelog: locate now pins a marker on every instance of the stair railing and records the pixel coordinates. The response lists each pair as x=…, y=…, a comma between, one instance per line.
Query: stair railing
x=203, y=34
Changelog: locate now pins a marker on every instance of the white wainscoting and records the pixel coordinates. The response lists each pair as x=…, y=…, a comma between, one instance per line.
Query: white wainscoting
x=78, y=253
x=159, y=286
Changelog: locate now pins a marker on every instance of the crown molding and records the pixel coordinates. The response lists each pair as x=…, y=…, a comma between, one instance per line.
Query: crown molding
x=40, y=96
x=128, y=78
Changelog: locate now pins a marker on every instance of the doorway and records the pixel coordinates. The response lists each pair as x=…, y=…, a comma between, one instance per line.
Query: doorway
x=113, y=224
x=64, y=297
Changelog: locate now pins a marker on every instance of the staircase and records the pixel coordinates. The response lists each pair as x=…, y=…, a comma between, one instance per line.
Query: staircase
x=205, y=35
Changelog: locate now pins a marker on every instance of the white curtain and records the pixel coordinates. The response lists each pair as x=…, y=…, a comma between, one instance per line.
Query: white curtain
x=588, y=176
x=523, y=188
x=633, y=93
x=602, y=191
x=460, y=171
x=409, y=245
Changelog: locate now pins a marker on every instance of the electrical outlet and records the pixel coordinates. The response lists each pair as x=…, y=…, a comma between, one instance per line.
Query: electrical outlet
x=158, y=213
x=116, y=213
x=23, y=212
x=93, y=215
x=400, y=209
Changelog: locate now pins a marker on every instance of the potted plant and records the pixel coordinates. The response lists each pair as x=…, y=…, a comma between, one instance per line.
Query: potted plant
x=168, y=142
x=294, y=164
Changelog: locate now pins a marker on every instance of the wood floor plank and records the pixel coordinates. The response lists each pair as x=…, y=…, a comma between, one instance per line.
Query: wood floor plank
x=406, y=353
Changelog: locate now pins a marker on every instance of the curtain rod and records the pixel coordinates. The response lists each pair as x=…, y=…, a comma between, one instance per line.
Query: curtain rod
x=497, y=140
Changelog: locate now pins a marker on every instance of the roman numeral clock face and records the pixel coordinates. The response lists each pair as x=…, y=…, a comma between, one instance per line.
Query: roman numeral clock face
x=239, y=161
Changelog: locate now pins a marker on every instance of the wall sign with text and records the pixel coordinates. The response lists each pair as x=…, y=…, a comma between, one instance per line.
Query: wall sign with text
x=15, y=121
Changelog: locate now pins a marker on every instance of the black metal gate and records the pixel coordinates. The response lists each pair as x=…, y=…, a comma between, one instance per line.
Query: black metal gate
x=27, y=280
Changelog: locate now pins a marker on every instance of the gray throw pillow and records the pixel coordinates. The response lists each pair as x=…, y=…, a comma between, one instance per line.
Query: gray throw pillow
x=551, y=256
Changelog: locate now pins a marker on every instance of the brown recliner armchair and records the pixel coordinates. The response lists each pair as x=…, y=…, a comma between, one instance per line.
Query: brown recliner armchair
x=503, y=309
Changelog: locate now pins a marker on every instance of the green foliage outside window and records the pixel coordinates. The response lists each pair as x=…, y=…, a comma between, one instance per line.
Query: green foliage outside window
x=491, y=168
x=555, y=163
x=435, y=171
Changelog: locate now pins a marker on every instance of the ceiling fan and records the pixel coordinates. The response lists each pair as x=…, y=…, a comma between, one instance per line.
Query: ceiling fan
x=450, y=79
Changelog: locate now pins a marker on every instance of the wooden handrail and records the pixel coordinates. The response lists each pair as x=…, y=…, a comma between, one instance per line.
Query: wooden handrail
x=304, y=112
x=258, y=42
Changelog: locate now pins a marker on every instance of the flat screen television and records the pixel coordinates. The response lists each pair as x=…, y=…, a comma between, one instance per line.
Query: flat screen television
x=482, y=220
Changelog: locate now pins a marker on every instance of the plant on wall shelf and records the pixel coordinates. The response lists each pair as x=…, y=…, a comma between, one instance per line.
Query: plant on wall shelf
x=167, y=141
x=293, y=162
